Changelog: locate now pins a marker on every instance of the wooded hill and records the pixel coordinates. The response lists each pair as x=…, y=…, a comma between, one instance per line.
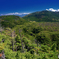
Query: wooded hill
x=43, y=16
x=11, y=21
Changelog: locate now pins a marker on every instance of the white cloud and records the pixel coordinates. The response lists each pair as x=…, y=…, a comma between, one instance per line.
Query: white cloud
x=54, y=10
x=16, y=13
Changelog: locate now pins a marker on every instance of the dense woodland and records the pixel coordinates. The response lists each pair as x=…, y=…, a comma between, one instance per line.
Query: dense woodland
x=23, y=39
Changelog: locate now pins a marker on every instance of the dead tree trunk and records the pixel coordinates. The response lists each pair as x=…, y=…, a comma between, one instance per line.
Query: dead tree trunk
x=21, y=41
x=13, y=35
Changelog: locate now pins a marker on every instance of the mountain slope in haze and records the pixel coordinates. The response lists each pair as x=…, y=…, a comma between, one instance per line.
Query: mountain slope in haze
x=45, y=16
x=11, y=21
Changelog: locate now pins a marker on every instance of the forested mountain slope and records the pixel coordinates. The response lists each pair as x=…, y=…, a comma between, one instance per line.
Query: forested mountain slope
x=43, y=16
x=11, y=21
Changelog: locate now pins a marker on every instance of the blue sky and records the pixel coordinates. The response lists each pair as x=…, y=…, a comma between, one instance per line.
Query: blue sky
x=27, y=6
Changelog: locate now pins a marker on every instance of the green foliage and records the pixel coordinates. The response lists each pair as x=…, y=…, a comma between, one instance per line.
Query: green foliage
x=17, y=56
x=1, y=48
x=10, y=54
x=44, y=37
x=53, y=47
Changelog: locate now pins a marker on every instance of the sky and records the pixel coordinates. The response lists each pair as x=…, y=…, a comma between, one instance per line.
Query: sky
x=20, y=7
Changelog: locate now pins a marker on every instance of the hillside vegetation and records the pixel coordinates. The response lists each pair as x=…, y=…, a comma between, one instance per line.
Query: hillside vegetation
x=22, y=39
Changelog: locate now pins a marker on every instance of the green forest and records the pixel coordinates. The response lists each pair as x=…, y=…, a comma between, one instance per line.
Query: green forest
x=22, y=38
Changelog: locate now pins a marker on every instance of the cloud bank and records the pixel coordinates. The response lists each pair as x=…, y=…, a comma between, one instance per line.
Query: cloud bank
x=16, y=13
x=54, y=10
